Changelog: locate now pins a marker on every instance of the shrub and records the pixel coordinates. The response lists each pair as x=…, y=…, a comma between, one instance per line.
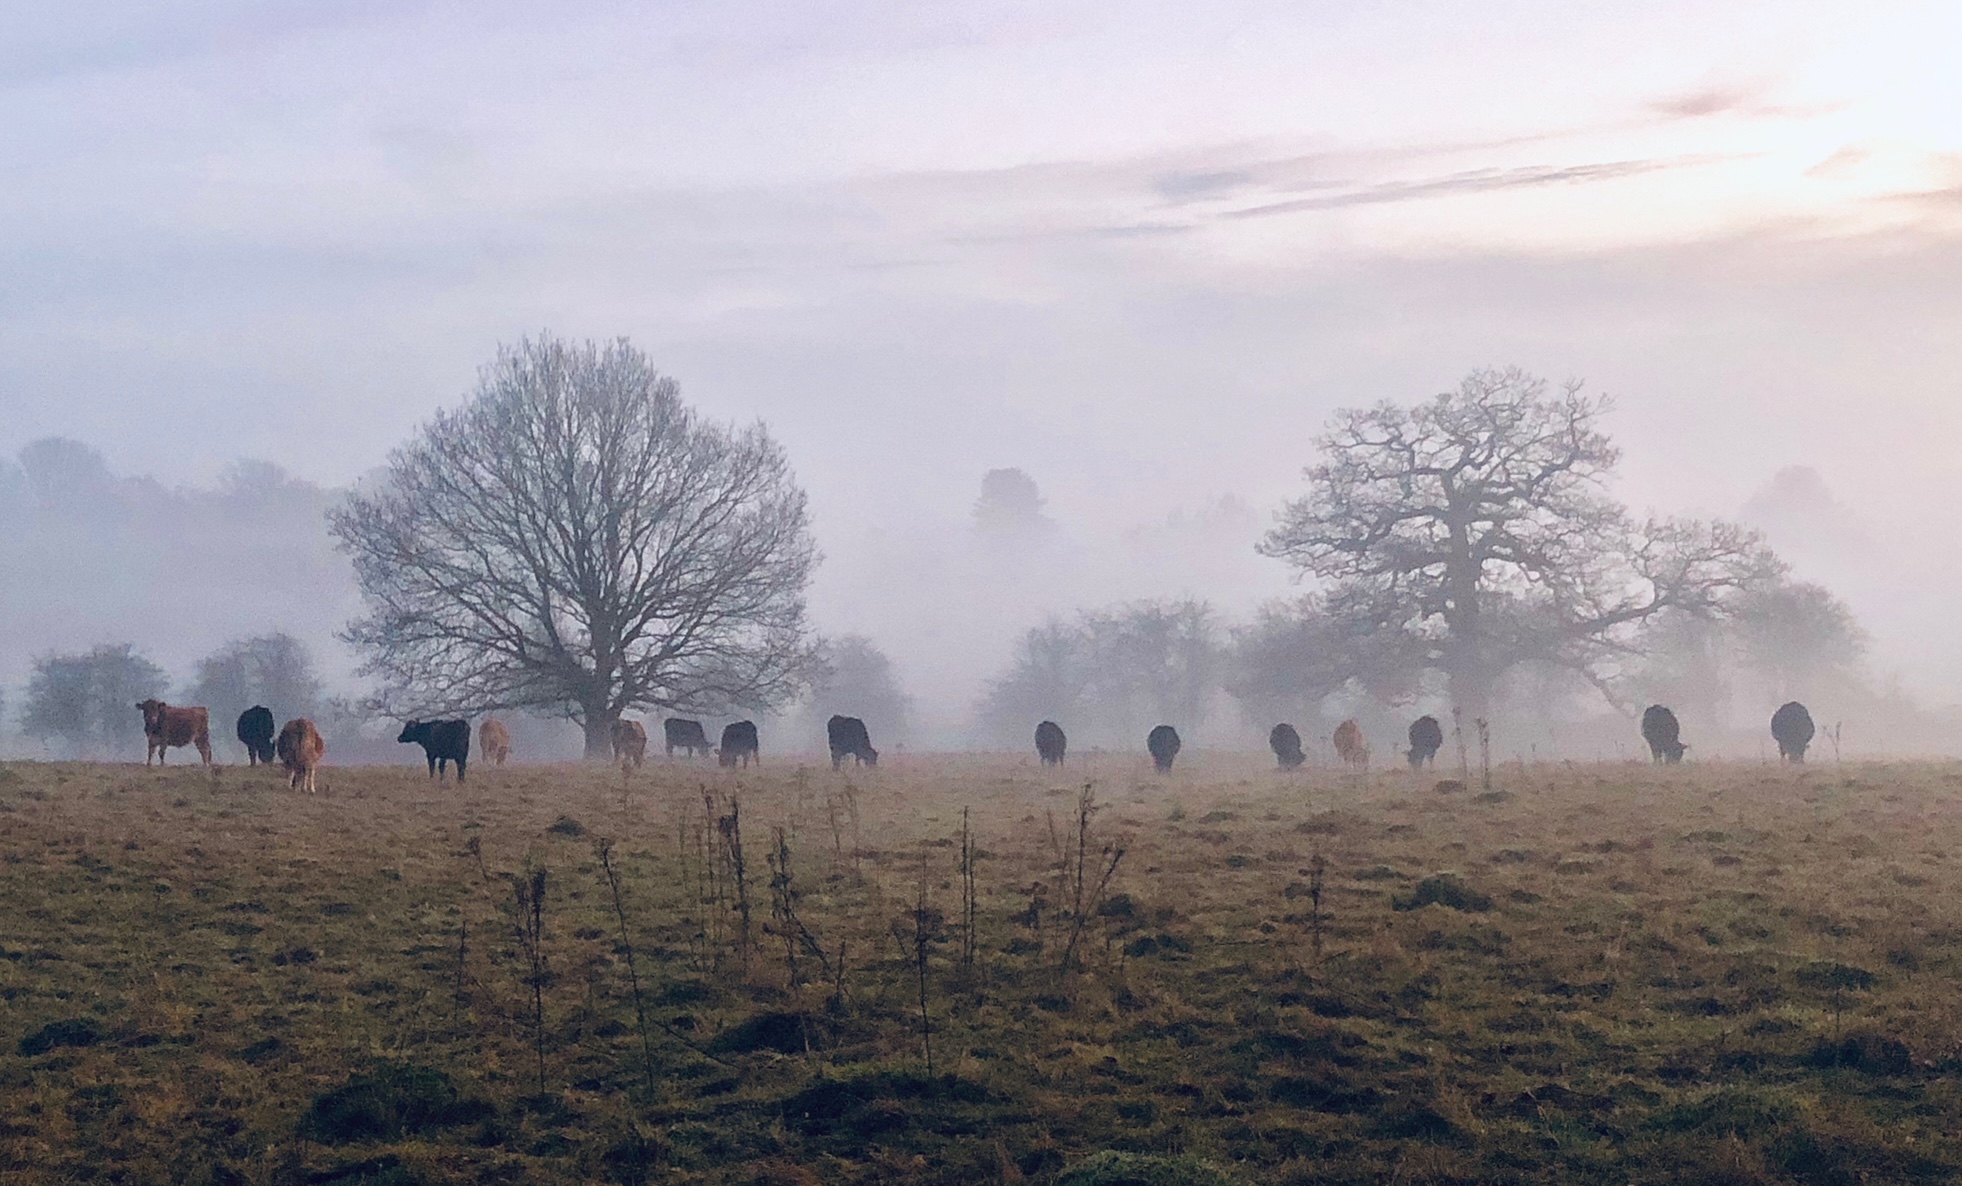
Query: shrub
x=784, y=1033
x=1829, y=976
x=1876, y=1054
x=396, y=1100
x=1112, y=1168
x=1447, y=890
x=75, y=1032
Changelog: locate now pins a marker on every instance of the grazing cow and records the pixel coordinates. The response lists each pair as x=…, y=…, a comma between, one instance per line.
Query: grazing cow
x=494, y=740
x=164, y=727
x=1349, y=744
x=1286, y=744
x=739, y=745
x=688, y=735
x=300, y=750
x=1051, y=745
x=1426, y=738
x=629, y=744
x=442, y=742
x=1791, y=725
x=255, y=733
x=1164, y=746
x=849, y=739
x=1664, y=735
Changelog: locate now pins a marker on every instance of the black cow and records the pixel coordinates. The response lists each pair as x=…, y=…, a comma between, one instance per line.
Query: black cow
x=255, y=733
x=739, y=745
x=1791, y=725
x=1286, y=744
x=1051, y=745
x=850, y=740
x=688, y=735
x=442, y=742
x=1426, y=738
x=1164, y=746
x=1664, y=735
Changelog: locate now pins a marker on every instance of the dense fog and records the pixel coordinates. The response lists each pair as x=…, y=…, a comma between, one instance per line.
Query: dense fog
x=938, y=632
x=1045, y=305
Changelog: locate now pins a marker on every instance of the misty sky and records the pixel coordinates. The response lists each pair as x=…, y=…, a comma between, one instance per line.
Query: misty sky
x=1139, y=250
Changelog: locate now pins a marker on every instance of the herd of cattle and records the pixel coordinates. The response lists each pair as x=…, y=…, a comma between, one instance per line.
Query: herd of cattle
x=299, y=748
x=1791, y=728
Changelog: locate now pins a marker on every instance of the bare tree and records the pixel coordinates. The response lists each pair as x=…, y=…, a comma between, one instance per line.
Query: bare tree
x=276, y=670
x=1476, y=529
x=1294, y=654
x=1114, y=672
x=575, y=540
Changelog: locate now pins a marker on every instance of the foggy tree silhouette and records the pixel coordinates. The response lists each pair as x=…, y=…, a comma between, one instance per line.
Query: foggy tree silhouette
x=1010, y=507
x=275, y=670
x=1798, y=636
x=60, y=471
x=88, y=700
x=576, y=540
x=1294, y=654
x=1476, y=527
x=1111, y=674
x=857, y=679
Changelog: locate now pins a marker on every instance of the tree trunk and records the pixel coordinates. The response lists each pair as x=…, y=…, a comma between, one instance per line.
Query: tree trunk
x=598, y=721
x=1471, y=688
x=1471, y=694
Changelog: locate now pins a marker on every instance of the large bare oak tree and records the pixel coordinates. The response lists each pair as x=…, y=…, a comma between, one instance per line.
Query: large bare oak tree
x=575, y=540
x=1475, y=533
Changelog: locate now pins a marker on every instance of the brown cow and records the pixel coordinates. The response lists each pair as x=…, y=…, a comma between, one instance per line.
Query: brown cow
x=1349, y=744
x=494, y=740
x=629, y=744
x=165, y=726
x=300, y=750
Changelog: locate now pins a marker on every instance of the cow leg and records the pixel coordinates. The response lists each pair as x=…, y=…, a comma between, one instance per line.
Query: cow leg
x=459, y=770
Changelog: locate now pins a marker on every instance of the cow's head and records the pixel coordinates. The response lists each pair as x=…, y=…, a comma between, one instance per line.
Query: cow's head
x=871, y=756
x=414, y=731
x=153, y=712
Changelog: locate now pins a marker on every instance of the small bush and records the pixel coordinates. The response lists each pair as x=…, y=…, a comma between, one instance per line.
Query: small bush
x=1111, y=1168
x=568, y=827
x=397, y=1100
x=1876, y=1054
x=1444, y=890
x=1829, y=976
x=376, y=1171
x=1118, y=906
x=880, y=1107
x=73, y=1032
x=1728, y=1112
x=785, y=1033
x=633, y=1160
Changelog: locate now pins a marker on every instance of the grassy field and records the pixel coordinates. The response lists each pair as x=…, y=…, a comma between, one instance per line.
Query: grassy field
x=1718, y=973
